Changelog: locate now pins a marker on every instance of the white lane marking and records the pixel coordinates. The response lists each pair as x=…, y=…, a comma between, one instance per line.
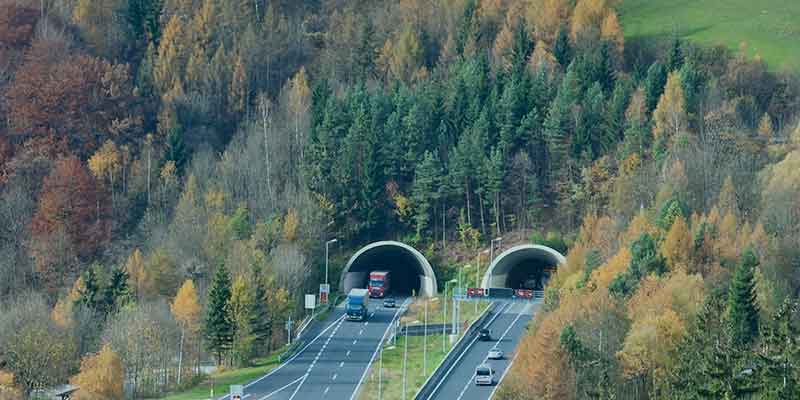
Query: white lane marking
x=472, y=377
x=360, y=332
x=245, y=396
x=348, y=353
x=284, y=387
x=355, y=341
x=366, y=323
x=326, y=389
x=299, y=386
x=336, y=321
x=378, y=348
x=341, y=364
x=335, y=375
x=466, y=350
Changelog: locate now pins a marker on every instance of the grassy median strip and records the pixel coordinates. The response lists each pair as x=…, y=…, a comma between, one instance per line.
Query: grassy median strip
x=221, y=381
x=391, y=385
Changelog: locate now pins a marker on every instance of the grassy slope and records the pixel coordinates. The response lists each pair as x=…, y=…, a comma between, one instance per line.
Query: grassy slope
x=769, y=27
x=223, y=380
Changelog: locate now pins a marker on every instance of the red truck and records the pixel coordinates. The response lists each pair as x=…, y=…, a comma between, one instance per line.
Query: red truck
x=378, y=283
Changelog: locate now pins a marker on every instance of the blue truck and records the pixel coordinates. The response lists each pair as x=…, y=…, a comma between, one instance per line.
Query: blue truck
x=357, y=302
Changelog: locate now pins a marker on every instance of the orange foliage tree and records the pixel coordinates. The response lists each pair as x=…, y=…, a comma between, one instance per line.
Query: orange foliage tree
x=71, y=208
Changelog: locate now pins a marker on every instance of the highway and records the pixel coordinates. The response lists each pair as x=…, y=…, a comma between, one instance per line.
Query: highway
x=507, y=327
x=332, y=364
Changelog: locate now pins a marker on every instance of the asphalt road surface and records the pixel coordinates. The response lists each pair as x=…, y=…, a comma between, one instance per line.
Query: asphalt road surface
x=332, y=365
x=507, y=330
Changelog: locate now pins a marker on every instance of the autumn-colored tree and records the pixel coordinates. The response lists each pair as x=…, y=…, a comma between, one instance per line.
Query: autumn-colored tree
x=165, y=275
x=141, y=278
x=677, y=246
x=299, y=102
x=70, y=208
x=17, y=26
x=649, y=346
x=402, y=58
x=290, y=225
x=765, y=129
x=62, y=313
x=240, y=308
x=80, y=98
x=546, y=17
x=187, y=311
x=587, y=19
x=239, y=87
x=99, y=24
x=102, y=376
x=612, y=31
x=670, y=113
x=727, y=197
x=172, y=55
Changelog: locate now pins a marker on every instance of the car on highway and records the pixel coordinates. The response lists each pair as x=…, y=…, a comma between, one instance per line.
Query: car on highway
x=484, y=375
x=495, y=354
x=485, y=335
x=389, y=303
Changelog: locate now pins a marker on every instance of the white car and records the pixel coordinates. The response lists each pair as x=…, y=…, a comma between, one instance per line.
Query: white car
x=484, y=375
x=495, y=354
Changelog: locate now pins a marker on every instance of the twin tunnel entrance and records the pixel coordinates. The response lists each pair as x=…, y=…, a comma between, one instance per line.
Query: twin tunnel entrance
x=525, y=266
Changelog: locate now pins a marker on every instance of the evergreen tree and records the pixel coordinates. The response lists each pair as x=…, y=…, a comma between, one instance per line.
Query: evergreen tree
x=218, y=327
x=117, y=293
x=261, y=322
x=424, y=194
x=654, y=84
x=780, y=355
x=176, y=149
x=562, y=49
x=521, y=48
x=742, y=302
x=614, y=117
x=693, y=81
x=558, y=126
x=675, y=56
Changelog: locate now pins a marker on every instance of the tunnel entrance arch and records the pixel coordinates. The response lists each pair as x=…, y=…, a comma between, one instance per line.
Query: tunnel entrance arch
x=410, y=270
x=526, y=266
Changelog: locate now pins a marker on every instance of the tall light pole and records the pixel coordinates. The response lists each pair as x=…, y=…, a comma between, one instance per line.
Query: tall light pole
x=491, y=257
x=328, y=243
x=425, y=343
x=478, y=276
x=444, y=318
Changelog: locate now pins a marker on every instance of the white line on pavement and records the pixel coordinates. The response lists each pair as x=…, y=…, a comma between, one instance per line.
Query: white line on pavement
x=299, y=386
x=338, y=320
x=472, y=377
x=283, y=387
x=334, y=376
x=463, y=353
x=341, y=364
x=348, y=353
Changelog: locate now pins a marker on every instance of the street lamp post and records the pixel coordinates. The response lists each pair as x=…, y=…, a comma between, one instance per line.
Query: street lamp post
x=491, y=249
x=328, y=243
x=478, y=275
x=444, y=318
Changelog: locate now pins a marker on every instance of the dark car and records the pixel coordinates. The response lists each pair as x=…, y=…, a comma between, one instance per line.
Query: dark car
x=388, y=303
x=485, y=335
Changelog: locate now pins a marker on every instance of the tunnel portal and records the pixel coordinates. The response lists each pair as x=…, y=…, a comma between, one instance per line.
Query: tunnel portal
x=526, y=266
x=410, y=270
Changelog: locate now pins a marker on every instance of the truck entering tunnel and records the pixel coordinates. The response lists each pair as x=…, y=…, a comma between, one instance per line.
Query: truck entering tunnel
x=409, y=269
x=525, y=266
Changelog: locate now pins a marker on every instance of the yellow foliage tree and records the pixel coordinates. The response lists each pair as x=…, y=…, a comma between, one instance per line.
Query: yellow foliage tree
x=106, y=162
x=186, y=309
x=171, y=55
x=290, y=224
x=587, y=18
x=141, y=278
x=670, y=114
x=677, y=246
x=102, y=376
x=612, y=31
x=650, y=344
x=546, y=17
x=7, y=388
x=602, y=276
x=765, y=129
x=727, y=197
x=62, y=311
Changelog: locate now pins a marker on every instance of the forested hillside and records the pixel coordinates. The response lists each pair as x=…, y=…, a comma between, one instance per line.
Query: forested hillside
x=171, y=169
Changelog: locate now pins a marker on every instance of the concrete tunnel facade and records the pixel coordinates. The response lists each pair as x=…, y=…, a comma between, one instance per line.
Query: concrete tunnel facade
x=521, y=264
x=410, y=270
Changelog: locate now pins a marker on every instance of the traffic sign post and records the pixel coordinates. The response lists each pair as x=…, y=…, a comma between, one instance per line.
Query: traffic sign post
x=311, y=302
x=324, y=290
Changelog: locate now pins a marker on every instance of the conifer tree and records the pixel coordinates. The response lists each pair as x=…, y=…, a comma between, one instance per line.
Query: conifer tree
x=260, y=322
x=562, y=50
x=426, y=183
x=742, y=302
x=218, y=327
x=654, y=84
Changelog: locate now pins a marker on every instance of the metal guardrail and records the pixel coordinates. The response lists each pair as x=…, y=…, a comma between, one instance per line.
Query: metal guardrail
x=429, y=386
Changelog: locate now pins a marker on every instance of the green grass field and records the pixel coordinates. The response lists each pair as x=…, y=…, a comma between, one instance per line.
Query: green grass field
x=769, y=27
x=221, y=381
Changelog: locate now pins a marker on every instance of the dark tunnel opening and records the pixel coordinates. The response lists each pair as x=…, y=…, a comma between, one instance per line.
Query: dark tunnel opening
x=404, y=268
x=529, y=274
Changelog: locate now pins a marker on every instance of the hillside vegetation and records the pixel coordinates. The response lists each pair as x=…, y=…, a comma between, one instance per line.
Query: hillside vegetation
x=171, y=169
x=768, y=28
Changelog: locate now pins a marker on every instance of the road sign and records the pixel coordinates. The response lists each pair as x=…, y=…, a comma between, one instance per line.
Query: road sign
x=324, y=289
x=237, y=392
x=500, y=293
x=311, y=301
x=476, y=292
x=524, y=293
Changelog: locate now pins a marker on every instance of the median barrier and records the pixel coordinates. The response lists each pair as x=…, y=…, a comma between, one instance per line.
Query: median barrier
x=427, y=388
